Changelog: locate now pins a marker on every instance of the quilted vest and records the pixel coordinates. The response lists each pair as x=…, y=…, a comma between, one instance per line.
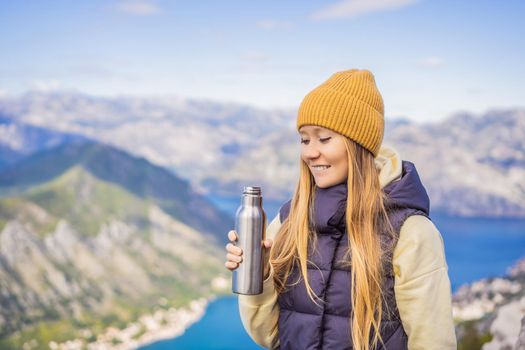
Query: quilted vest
x=305, y=325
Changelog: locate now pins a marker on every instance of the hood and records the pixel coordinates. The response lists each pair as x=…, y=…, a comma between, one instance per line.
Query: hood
x=398, y=179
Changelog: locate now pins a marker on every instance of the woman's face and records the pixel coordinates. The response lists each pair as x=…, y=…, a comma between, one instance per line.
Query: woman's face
x=324, y=151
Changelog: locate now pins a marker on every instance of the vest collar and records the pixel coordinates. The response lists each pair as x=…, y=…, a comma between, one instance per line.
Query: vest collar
x=330, y=207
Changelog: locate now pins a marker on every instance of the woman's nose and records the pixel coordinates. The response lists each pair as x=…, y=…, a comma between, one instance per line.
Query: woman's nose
x=311, y=151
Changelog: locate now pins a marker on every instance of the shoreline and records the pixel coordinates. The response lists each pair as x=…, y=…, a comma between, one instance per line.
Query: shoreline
x=169, y=331
x=148, y=329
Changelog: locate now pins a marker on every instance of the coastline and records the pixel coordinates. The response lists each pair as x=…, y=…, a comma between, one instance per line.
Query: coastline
x=148, y=329
x=174, y=328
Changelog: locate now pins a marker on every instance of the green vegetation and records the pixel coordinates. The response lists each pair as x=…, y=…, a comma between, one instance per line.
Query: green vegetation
x=88, y=196
x=8, y=344
x=140, y=333
x=43, y=333
x=26, y=212
x=87, y=202
x=472, y=339
x=122, y=313
x=8, y=210
x=115, y=341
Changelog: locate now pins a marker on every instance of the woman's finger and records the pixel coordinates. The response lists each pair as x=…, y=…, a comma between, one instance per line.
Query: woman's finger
x=234, y=258
x=268, y=243
x=230, y=248
x=232, y=236
x=231, y=265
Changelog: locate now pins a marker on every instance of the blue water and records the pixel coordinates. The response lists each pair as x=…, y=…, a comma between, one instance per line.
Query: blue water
x=219, y=329
x=475, y=248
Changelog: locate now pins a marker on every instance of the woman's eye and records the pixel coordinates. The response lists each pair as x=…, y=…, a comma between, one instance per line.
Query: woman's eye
x=322, y=140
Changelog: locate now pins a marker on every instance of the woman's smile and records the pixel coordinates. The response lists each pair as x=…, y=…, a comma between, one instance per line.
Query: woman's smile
x=324, y=151
x=319, y=169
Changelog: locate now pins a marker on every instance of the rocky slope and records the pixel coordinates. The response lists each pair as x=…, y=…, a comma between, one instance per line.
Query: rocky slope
x=472, y=165
x=490, y=313
x=98, y=242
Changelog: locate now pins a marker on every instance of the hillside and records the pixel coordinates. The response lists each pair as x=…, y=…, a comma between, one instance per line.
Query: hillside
x=91, y=237
x=490, y=313
x=136, y=175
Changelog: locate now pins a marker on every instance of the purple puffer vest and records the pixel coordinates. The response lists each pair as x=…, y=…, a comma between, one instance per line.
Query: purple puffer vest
x=305, y=325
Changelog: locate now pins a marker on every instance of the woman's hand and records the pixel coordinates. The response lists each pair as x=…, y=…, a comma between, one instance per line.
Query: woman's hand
x=234, y=254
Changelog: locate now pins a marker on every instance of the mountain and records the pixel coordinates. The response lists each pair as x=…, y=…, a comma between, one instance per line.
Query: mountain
x=490, y=313
x=472, y=165
x=193, y=137
x=91, y=237
x=198, y=140
x=18, y=140
x=136, y=175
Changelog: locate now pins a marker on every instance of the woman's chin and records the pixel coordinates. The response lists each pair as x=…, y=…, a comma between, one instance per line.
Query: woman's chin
x=325, y=183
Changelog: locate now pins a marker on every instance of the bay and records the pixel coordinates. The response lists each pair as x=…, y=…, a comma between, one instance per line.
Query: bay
x=219, y=329
x=475, y=248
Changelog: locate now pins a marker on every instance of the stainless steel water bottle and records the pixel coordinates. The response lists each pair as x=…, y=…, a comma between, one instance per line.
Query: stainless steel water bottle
x=250, y=225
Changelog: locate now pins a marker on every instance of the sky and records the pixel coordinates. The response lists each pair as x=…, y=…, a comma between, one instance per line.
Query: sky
x=430, y=59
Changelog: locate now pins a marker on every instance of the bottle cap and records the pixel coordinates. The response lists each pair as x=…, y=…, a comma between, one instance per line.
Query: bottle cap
x=252, y=190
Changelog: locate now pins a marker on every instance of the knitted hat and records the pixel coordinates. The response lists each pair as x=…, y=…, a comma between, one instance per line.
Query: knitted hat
x=348, y=103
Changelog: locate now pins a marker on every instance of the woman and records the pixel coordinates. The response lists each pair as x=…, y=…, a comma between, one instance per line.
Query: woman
x=354, y=260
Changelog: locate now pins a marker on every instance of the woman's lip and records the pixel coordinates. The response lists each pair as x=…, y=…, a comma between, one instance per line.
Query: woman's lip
x=319, y=171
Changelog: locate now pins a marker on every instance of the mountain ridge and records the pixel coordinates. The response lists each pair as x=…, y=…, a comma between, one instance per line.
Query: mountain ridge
x=472, y=165
x=133, y=173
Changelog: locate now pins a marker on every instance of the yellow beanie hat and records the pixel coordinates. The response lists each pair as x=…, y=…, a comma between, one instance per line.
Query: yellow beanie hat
x=348, y=103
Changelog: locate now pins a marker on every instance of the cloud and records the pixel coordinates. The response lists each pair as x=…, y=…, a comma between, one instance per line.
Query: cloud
x=138, y=8
x=270, y=24
x=354, y=8
x=432, y=62
x=46, y=85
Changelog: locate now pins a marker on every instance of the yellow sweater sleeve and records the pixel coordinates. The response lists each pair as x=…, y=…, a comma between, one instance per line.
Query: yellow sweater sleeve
x=260, y=313
x=422, y=286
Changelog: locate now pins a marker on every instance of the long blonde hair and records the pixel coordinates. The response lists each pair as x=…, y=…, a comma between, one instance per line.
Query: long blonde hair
x=366, y=217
